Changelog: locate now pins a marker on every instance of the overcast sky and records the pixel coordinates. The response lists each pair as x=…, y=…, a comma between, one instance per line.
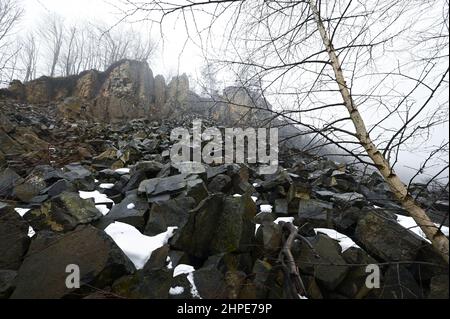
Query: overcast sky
x=175, y=54
x=172, y=56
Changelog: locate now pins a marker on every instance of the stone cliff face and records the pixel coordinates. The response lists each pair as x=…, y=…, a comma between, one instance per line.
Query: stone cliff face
x=127, y=90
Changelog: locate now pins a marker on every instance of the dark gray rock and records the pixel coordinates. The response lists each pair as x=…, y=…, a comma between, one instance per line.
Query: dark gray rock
x=63, y=213
x=8, y=179
x=280, y=178
x=210, y=283
x=315, y=212
x=221, y=183
x=131, y=210
x=39, y=178
x=262, y=271
x=345, y=220
x=100, y=261
x=7, y=283
x=58, y=187
x=354, y=284
x=172, y=185
x=218, y=225
x=399, y=283
x=281, y=207
x=14, y=240
x=439, y=287
x=330, y=268
x=263, y=218
x=349, y=199
x=153, y=285
x=149, y=167
x=226, y=262
x=79, y=176
x=157, y=260
x=384, y=238
x=268, y=239
x=140, y=172
x=173, y=212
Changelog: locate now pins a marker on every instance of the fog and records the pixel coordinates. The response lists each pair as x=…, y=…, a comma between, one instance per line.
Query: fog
x=179, y=51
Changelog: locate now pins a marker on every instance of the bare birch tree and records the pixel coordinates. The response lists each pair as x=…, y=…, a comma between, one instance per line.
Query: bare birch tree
x=349, y=71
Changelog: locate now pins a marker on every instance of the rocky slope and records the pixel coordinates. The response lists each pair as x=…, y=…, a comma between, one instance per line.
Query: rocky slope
x=105, y=196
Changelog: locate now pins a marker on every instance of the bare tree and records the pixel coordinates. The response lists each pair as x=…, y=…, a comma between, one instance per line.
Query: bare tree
x=52, y=33
x=29, y=57
x=348, y=71
x=70, y=53
x=208, y=81
x=10, y=13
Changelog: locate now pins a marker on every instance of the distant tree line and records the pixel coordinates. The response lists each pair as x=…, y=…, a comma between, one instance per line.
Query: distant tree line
x=58, y=48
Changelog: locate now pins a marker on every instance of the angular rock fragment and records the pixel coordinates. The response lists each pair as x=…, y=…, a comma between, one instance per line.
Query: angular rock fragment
x=384, y=238
x=63, y=213
x=14, y=240
x=218, y=224
x=99, y=259
x=173, y=212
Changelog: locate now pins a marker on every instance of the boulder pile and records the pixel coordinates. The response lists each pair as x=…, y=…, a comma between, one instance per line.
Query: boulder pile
x=105, y=196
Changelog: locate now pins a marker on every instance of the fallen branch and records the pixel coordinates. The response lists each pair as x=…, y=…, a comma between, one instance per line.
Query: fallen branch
x=294, y=281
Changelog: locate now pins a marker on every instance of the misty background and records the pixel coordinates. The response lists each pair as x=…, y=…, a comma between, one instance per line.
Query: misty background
x=179, y=46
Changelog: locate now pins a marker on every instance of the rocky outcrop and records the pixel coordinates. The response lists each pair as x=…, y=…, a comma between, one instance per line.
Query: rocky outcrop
x=127, y=90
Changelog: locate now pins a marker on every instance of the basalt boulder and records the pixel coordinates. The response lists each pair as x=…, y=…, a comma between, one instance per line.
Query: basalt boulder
x=43, y=272
x=63, y=213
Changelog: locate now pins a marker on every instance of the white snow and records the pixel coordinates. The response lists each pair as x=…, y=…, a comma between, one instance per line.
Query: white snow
x=237, y=195
x=183, y=269
x=106, y=186
x=22, y=211
x=409, y=223
x=131, y=206
x=254, y=198
x=31, y=232
x=284, y=219
x=255, y=184
x=176, y=291
x=194, y=291
x=444, y=230
x=122, y=170
x=189, y=270
x=256, y=228
x=98, y=197
x=169, y=265
x=103, y=209
x=136, y=246
x=266, y=208
x=343, y=240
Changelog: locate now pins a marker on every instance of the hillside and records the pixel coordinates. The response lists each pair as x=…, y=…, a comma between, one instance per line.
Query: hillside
x=86, y=179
